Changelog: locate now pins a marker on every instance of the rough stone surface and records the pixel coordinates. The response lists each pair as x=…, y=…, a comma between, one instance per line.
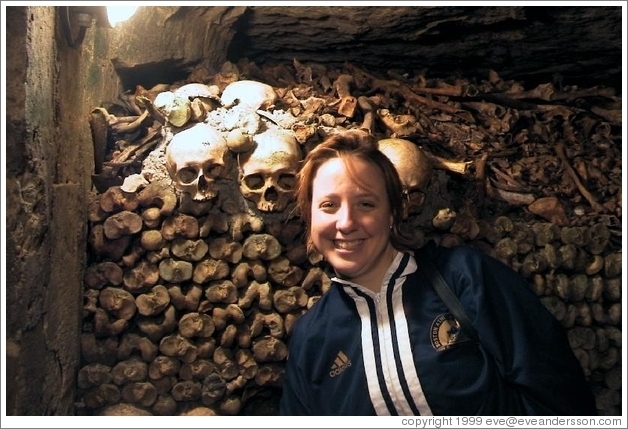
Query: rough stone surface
x=161, y=44
x=49, y=91
x=531, y=43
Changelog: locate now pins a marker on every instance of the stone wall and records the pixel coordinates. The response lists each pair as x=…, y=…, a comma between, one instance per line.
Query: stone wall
x=573, y=45
x=49, y=89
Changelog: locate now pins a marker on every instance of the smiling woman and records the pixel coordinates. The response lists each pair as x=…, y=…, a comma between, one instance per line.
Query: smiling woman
x=381, y=341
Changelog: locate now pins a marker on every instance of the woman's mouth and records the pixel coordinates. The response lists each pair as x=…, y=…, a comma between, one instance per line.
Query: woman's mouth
x=348, y=245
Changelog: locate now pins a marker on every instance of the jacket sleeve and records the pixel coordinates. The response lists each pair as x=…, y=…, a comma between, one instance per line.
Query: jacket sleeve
x=293, y=402
x=527, y=342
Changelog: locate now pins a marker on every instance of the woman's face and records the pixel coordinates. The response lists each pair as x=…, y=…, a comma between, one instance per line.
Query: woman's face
x=350, y=224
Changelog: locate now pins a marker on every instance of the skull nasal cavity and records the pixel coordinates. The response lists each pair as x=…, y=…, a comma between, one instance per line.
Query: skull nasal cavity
x=271, y=194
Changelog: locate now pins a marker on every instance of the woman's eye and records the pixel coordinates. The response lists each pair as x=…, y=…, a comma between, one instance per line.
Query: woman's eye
x=326, y=205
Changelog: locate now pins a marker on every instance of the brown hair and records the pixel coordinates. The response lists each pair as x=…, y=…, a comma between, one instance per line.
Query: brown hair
x=347, y=144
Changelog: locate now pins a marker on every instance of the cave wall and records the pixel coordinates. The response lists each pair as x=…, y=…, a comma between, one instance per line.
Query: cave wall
x=40, y=360
x=534, y=44
x=49, y=90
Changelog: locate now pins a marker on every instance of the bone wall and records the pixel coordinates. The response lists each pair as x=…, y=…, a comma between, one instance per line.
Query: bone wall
x=191, y=295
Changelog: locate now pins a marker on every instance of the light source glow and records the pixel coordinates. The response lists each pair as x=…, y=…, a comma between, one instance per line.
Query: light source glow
x=116, y=14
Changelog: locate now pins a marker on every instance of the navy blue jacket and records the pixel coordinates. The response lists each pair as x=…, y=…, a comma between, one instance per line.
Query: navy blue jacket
x=399, y=352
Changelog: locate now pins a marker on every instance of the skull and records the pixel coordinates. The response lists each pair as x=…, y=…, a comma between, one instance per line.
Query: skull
x=414, y=170
x=175, y=107
x=268, y=172
x=249, y=94
x=195, y=158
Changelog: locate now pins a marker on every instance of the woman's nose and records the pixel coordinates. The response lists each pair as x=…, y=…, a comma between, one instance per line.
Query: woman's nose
x=346, y=220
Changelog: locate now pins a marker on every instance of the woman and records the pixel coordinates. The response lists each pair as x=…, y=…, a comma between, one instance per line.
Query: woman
x=381, y=342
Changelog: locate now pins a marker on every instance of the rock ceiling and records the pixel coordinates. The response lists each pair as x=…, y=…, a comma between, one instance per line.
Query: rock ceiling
x=578, y=45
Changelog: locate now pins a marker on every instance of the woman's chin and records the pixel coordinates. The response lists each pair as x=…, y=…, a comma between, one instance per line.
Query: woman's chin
x=344, y=268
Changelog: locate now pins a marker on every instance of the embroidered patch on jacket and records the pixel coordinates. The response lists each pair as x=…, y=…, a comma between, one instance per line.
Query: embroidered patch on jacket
x=445, y=332
x=341, y=363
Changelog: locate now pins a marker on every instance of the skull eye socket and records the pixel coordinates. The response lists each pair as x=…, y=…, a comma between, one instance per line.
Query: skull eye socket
x=287, y=182
x=213, y=171
x=187, y=175
x=254, y=181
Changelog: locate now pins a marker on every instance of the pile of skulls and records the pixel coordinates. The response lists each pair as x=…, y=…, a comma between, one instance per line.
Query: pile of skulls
x=230, y=142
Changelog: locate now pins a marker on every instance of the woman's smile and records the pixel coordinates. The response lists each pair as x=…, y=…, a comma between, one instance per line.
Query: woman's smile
x=348, y=245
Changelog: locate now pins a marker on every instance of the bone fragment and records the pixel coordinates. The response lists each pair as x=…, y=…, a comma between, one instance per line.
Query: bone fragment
x=458, y=167
x=186, y=299
x=269, y=374
x=560, y=151
x=122, y=223
x=225, y=363
x=155, y=328
x=117, y=302
x=249, y=269
x=348, y=103
x=177, y=346
x=282, y=272
x=222, y=291
x=132, y=343
x=256, y=291
x=106, y=326
x=286, y=300
x=197, y=370
x=153, y=302
x=269, y=349
x=187, y=391
x=180, y=225
x=247, y=367
x=99, y=275
x=163, y=366
x=104, y=247
x=189, y=250
x=261, y=246
x=210, y=269
x=115, y=199
x=222, y=315
x=368, y=114
x=143, y=394
x=513, y=198
x=93, y=374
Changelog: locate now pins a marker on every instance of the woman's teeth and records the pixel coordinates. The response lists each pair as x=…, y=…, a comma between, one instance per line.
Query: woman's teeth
x=348, y=245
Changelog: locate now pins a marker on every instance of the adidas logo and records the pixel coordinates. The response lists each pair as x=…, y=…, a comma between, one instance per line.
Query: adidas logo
x=341, y=363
